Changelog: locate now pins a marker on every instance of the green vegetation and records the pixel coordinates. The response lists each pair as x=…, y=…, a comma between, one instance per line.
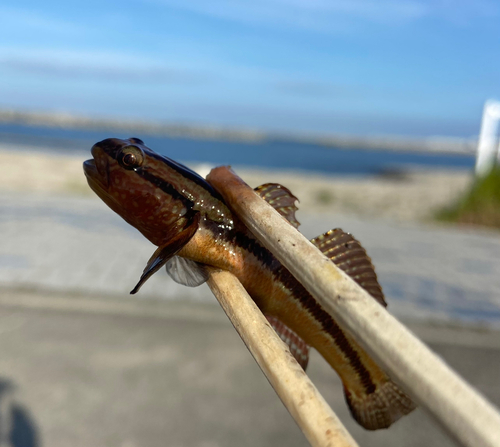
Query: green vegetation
x=480, y=205
x=324, y=197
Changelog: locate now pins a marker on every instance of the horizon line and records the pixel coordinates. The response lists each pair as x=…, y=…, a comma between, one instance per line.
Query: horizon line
x=64, y=120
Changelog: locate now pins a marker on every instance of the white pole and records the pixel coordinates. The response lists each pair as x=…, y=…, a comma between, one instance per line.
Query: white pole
x=315, y=418
x=498, y=153
x=487, y=147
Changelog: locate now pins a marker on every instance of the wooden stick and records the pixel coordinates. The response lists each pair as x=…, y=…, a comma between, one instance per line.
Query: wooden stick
x=306, y=405
x=465, y=414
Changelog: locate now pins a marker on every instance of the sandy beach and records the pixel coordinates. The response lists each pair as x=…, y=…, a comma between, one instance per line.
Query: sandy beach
x=409, y=196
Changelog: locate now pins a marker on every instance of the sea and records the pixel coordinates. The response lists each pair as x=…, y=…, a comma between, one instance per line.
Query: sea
x=271, y=153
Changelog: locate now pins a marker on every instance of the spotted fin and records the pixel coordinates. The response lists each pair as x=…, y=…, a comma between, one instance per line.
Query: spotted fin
x=380, y=409
x=348, y=254
x=298, y=347
x=186, y=272
x=165, y=252
x=281, y=199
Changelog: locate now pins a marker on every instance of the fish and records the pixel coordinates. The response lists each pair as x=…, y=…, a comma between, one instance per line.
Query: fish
x=187, y=219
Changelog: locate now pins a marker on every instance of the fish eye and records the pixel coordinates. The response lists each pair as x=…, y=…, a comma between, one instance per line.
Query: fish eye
x=130, y=157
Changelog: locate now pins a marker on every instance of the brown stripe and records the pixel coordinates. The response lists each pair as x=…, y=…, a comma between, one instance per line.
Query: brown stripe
x=299, y=292
x=166, y=187
x=187, y=173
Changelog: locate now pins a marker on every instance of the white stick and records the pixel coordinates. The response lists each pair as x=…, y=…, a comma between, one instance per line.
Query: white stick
x=316, y=419
x=466, y=415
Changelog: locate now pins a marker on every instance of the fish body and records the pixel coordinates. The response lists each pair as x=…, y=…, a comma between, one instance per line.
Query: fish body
x=183, y=215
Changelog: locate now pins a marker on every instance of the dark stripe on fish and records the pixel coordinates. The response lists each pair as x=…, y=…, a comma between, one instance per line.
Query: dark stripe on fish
x=189, y=174
x=299, y=292
x=328, y=323
x=165, y=187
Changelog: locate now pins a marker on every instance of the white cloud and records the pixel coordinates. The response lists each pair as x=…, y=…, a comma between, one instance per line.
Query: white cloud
x=111, y=67
x=100, y=65
x=335, y=15
x=314, y=15
x=23, y=20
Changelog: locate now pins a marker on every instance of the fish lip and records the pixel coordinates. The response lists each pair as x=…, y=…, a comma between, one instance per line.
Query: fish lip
x=96, y=169
x=94, y=179
x=89, y=168
x=93, y=175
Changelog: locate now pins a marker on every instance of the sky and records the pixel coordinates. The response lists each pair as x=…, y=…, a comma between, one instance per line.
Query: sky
x=356, y=67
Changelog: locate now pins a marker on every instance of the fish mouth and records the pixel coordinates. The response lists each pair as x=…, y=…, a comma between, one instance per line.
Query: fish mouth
x=96, y=171
x=93, y=175
x=90, y=168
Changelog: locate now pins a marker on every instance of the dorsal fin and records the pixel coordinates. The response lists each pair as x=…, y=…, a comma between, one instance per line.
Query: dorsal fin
x=281, y=199
x=298, y=347
x=348, y=254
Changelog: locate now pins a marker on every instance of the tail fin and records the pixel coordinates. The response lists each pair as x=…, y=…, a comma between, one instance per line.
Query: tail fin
x=381, y=408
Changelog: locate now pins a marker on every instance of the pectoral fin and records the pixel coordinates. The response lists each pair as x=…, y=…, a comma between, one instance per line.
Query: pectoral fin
x=166, y=251
x=186, y=272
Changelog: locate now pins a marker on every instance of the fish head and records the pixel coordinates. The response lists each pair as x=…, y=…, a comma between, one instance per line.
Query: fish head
x=143, y=187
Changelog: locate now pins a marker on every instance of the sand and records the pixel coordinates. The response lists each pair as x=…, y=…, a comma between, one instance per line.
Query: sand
x=413, y=195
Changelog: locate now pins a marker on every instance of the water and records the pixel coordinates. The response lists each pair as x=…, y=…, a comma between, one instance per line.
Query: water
x=284, y=155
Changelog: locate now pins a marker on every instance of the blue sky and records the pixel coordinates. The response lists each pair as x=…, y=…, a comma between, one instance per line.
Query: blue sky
x=367, y=67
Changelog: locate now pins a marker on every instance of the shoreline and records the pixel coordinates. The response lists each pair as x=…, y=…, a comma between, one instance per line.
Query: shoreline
x=408, y=196
x=429, y=144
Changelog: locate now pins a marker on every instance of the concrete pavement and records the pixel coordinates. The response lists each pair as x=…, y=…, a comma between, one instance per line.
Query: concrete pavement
x=84, y=363
x=105, y=371
x=78, y=245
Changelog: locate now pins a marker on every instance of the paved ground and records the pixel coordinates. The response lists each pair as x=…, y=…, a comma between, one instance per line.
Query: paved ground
x=111, y=372
x=84, y=363
x=79, y=245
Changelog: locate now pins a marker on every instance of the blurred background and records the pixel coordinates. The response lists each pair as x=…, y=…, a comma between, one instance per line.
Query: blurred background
x=370, y=112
